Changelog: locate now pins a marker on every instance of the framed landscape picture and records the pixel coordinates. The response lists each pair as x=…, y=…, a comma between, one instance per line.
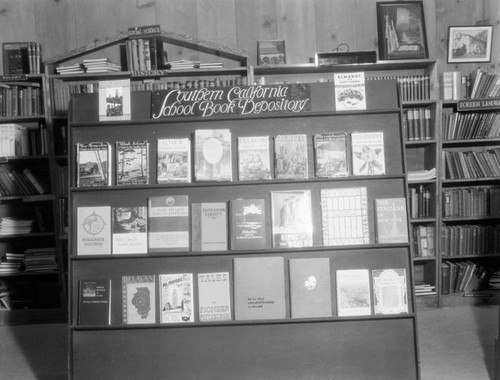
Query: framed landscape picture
x=271, y=52
x=401, y=30
x=469, y=43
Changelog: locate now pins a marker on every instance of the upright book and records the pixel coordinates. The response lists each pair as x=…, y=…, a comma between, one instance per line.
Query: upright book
x=174, y=160
x=138, y=299
x=350, y=91
x=392, y=222
x=291, y=218
x=94, y=164
x=213, y=160
x=168, y=218
x=291, y=158
x=368, y=153
x=254, y=161
x=176, y=298
x=310, y=287
x=248, y=224
x=353, y=292
x=344, y=215
x=132, y=162
x=390, y=293
x=94, y=302
x=209, y=226
x=114, y=100
x=130, y=229
x=259, y=288
x=93, y=230
x=331, y=155
x=214, y=299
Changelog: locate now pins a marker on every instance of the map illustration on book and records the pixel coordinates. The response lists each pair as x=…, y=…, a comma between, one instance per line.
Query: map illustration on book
x=353, y=292
x=130, y=229
x=214, y=299
x=94, y=230
x=132, y=162
x=291, y=160
x=344, y=215
x=350, y=91
x=176, y=298
x=368, y=153
x=254, y=161
x=94, y=304
x=213, y=155
x=331, y=154
x=93, y=161
x=138, y=299
x=392, y=222
x=174, y=160
x=389, y=291
x=114, y=100
x=292, y=218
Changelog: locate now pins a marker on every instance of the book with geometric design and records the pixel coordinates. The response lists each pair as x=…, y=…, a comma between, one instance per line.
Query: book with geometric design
x=389, y=291
x=138, y=299
x=93, y=230
x=368, y=153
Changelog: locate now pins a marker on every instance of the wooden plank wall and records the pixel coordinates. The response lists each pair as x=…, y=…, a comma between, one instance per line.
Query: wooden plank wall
x=306, y=25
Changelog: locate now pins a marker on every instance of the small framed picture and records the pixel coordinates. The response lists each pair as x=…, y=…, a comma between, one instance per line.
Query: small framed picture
x=401, y=30
x=470, y=43
x=271, y=52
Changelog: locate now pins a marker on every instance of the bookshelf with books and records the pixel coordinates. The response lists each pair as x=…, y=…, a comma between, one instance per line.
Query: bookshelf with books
x=241, y=216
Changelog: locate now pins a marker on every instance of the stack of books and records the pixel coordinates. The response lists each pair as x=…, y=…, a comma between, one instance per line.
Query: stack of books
x=11, y=263
x=75, y=68
x=424, y=289
x=14, y=226
x=185, y=64
x=100, y=65
x=40, y=260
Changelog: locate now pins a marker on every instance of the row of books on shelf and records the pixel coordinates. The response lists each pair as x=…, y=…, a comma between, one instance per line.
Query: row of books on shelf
x=90, y=65
x=470, y=125
x=5, y=303
x=62, y=91
x=470, y=239
x=20, y=98
x=412, y=88
x=32, y=260
x=423, y=241
x=474, y=201
x=420, y=202
x=463, y=276
x=145, y=54
x=476, y=85
x=260, y=292
x=23, y=139
x=472, y=164
x=22, y=58
x=417, y=124
x=213, y=158
x=170, y=223
x=19, y=183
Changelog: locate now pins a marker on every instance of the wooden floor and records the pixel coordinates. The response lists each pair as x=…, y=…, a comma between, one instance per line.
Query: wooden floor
x=456, y=343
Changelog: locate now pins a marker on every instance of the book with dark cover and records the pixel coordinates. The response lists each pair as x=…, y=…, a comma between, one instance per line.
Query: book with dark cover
x=132, y=162
x=254, y=161
x=138, y=299
x=445, y=277
x=368, y=153
x=353, y=292
x=176, y=298
x=213, y=155
x=174, y=160
x=248, y=224
x=390, y=295
x=114, y=100
x=93, y=230
x=94, y=303
x=292, y=218
x=130, y=230
x=291, y=158
x=209, y=226
x=331, y=156
x=392, y=222
x=310, y=287
x=214, y=299
x=168, y=223
x=94, y=164
x=344, y=215
x=16, y=58
x=259, y=288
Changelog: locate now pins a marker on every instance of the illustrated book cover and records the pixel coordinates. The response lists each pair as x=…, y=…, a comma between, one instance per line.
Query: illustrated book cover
x=391, y=220
x=130, y=229
x=368, y=153
x=331, y=155
x=353, y=292
x=138, y=299
x=248, y=224
x=132, y=162
x=176, y=298
x=94, y=305
x=114, y=100
x=174, y=160
x=168, y=223
x=291, y=219
x=254, y=160
x=291, y=158
x=214, y=299
x=209, y=226
x=259, y=288
x=213, y=155
x=93, y=230
x=350, y=91
x=344, y=215
x=390, y=294
x=310, y=287
x=94, y=164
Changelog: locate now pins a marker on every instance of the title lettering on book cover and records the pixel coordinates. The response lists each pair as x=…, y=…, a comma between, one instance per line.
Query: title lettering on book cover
x=481, y=104
x=227, y=101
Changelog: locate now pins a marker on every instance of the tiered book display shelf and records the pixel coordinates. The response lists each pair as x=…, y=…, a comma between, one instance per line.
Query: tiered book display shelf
x=265, y=331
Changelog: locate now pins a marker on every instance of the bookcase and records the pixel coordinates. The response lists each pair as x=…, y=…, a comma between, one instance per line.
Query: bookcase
x=351, y=346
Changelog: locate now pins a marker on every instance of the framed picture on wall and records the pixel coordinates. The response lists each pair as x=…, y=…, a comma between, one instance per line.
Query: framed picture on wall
x=401, y=30
x=470, y=43
x=271, y=52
